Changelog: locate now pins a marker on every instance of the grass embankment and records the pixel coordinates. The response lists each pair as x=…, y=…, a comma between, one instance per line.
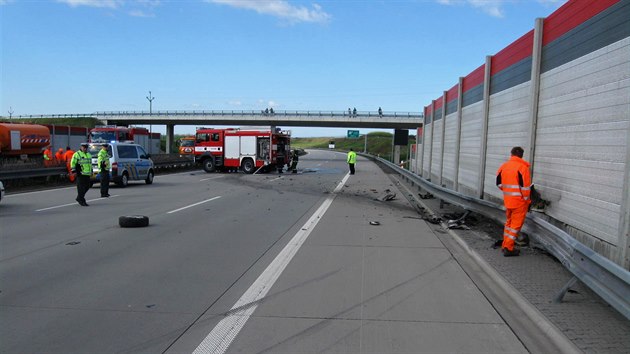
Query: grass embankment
x=378, y=143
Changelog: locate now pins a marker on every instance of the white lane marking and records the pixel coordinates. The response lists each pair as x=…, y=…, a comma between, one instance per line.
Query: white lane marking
x=277, y=178
x=192, y=205
x=220, y=338
x=205, y=179
x=75, y=203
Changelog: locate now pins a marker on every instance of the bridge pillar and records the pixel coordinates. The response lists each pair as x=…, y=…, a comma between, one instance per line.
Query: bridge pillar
x=170, y=137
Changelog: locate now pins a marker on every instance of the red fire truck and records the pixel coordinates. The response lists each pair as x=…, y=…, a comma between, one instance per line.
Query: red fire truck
x=250, y=149
x=113, y=133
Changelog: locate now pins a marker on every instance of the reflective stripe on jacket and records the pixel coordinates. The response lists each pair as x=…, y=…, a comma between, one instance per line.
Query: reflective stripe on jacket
x=514, y=179
x=85, y=162
x=352, y=157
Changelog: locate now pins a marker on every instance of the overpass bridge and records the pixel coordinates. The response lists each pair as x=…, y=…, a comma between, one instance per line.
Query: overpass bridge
x=332, y=119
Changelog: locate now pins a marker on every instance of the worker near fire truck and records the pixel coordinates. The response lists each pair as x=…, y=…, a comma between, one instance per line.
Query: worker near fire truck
x=81, y=164
x=295, y=157
x=104, y=165
x=48, y=156
x=67, y=157
x=59, y=155
x=352, y=159
x=513, y=178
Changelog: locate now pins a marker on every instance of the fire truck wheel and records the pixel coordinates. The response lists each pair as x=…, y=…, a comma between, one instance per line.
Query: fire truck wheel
x=208, y=165
x=133, y=221
x=248, y=166
x=150, y=176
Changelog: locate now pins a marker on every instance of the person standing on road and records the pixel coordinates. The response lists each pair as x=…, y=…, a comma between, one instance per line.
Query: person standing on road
x=352, y=159
x=513, y=178
x=81, y=164
x=59, y=156
x=48, y=156
x=103, y=165
x=295, y=157
x=67, y=157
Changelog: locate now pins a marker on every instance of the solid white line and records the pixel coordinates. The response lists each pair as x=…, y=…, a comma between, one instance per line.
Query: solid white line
x=220, y=338
x=205, y=179
x=69, y=204
x=192, y=205
x=271, y=180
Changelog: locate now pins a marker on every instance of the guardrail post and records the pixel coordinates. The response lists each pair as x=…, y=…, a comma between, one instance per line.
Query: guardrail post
x=484, y=127
x=420, y=157
x=458, y=138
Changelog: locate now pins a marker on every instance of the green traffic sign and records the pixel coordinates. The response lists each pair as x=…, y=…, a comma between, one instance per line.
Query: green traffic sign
x=353, y=133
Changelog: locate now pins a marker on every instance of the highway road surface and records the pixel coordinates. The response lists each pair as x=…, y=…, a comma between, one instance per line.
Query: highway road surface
x=269, y=263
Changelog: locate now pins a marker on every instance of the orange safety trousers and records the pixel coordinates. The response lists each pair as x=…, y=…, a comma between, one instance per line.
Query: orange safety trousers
x=513, y=225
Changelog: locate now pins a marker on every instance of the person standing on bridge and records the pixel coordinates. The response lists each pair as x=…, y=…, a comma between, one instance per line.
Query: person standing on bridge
x=513, y=178
x=354, y=112
x=104, y=165
x=352, y=159
x=380, y=112
x=59, y=156
x=81, y=164
x=48, y=156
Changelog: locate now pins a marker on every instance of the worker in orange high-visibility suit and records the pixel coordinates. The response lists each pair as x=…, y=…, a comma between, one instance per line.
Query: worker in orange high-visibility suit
x=59, y=156
x=48, y=156
x=68, y=157
x=514, y=179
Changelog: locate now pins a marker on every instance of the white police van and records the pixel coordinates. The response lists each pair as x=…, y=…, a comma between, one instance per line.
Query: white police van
x=129, y=162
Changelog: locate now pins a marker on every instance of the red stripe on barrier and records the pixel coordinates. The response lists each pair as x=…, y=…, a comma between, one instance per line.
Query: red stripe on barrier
x=512, y=54
x=474, y=78
x=439, y=103
x=452, y=93
x=571, y=15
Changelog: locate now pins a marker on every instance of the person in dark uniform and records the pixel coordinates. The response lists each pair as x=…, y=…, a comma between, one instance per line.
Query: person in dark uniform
x=295, y=157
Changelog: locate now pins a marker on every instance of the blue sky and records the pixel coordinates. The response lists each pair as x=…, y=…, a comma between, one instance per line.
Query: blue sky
x=81, y=56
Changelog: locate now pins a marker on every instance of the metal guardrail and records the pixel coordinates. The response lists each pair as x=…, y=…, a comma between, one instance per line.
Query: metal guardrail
x=32, y=173
x=607, y=279
x=164, y=161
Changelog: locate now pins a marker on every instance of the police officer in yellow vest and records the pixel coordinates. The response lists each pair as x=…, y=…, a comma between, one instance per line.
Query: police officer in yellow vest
x=352, y=159
x=81, y=164
x=104, y=165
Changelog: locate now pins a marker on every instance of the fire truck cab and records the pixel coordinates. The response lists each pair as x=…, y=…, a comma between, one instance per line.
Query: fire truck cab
x=249, y=149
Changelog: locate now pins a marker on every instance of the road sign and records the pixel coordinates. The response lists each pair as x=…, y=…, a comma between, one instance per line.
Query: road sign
x=353, y=133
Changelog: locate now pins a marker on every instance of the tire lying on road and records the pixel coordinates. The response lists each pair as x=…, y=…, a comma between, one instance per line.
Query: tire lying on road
x=133, y=221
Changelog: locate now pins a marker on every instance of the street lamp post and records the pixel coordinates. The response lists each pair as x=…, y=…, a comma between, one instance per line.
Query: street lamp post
x=10, y=113
x=150, y=98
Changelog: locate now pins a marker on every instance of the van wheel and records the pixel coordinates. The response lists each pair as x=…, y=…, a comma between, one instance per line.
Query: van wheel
x=124, y=180
x=248, y=166
x=133, y=221
x=150, y=176
x=208, y=165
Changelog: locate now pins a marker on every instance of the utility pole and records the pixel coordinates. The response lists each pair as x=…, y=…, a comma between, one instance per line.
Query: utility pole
x=10, y=113
x=150, y=98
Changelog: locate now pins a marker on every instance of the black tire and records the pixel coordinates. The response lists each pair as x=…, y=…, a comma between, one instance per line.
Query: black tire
x=248, y=166
x=208, y=165
x=133, y=221
x=150, y=176
x=124, y=180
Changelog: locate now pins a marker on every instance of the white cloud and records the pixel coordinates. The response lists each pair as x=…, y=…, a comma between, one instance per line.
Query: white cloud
x=491, y=7
x=111, y=4
x=235, y=103
x=5, y=2
x=140, y=13
x=281, y=9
